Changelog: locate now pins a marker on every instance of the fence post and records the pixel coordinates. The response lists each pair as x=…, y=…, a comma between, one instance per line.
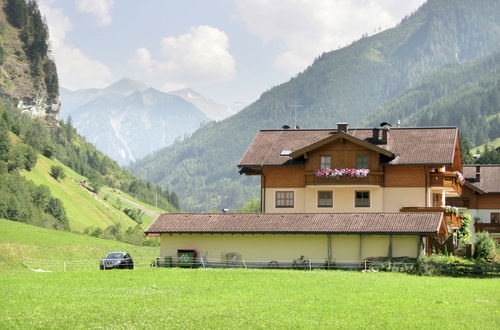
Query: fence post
x=310, y=264
x=202, y=262
x=244, y=263
x=365, y=264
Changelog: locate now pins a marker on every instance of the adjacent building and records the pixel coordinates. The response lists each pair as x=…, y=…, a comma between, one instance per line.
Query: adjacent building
x=481, y=198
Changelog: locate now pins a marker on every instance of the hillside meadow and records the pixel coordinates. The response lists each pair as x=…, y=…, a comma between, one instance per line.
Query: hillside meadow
x=83, y=207
x=46, y=249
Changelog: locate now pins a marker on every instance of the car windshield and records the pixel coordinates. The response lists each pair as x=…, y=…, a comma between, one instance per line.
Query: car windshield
x=114, y=255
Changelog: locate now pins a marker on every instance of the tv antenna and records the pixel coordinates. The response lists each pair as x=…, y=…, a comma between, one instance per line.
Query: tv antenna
x=294, y=106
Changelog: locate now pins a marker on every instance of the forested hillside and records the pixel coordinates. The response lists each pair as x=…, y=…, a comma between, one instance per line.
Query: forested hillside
x=463, y=95
x=25, y=142
x=343, y=85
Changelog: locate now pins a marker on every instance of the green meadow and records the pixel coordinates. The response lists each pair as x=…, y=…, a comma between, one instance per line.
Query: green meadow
x=170, y=298
x=241, y=299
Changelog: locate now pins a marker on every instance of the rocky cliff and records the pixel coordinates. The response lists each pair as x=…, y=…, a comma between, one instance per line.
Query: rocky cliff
x=28, y=77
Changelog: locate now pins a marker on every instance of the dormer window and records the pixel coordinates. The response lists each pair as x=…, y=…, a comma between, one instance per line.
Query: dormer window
x=362, y=162
x=325, y=162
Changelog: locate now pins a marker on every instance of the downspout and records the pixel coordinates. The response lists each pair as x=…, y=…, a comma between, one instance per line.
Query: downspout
x=426, y=186
x=329, y=248
x=263, y=193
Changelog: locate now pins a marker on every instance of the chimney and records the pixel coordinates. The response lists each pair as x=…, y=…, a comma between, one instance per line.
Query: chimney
x=376, y=134
x=342, y=127
x=385, y=133
x=478, y=173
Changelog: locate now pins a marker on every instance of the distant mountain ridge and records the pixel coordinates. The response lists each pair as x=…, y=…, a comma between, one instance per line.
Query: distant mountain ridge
x=212, y=109
x=127, y=120
x=343, y=85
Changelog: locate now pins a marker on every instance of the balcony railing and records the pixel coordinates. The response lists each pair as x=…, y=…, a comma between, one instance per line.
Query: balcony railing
x=374, y=178
x=451, y=219
x=447, y=180
x=492, y=228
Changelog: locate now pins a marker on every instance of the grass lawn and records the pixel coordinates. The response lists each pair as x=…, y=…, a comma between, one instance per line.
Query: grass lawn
x=240, y=299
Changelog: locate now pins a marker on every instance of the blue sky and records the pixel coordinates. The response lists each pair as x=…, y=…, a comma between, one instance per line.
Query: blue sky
x=229, y=50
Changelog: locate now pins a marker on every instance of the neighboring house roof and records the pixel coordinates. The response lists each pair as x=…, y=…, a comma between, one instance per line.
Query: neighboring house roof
x=489, y=177
x=295, y=223
x=412, y=146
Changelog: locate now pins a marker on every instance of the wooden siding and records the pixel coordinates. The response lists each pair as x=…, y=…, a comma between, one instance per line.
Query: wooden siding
x=284, y=177
x=343, y=155
x=404, y=176
x=489, y=201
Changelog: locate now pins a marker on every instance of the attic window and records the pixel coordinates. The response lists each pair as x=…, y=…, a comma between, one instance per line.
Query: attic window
x=285, y=152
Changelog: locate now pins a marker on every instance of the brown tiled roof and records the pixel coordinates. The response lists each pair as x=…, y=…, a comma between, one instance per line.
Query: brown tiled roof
x=489, y=180
x=412, y=146
x=407, y=222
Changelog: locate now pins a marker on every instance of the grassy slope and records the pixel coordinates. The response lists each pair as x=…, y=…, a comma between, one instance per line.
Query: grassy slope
x=84, y=208
x=479, y=149
x=18, y=241
x=242, y=299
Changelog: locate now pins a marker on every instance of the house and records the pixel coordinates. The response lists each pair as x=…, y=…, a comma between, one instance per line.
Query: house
x=481, y=198
x=333, y=196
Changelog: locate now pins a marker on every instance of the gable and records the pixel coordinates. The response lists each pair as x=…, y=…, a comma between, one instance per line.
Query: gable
x=343, y=154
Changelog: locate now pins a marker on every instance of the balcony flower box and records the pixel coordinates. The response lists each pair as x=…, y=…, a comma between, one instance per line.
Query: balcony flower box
x=337, y=173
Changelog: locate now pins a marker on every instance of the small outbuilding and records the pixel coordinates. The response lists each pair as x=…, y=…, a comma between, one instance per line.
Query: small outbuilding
x=261, y=238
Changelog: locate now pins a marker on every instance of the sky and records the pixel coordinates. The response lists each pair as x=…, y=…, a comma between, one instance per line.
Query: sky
x=228, y=50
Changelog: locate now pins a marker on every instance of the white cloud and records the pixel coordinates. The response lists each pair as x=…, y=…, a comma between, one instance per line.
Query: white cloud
x=75, y=69
x=201, y=56
x=98, y=8
x=304, y=29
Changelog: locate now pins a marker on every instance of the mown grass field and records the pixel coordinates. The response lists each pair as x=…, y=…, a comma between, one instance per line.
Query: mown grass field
x=85, y=209
x=223, y=298
x=241, y=299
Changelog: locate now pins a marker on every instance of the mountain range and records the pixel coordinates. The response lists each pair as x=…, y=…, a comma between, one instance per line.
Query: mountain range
x=128, y=120
x=349, y=84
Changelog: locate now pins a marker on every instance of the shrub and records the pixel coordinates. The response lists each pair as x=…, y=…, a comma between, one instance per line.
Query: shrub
x=57, y=172
x=485, y=247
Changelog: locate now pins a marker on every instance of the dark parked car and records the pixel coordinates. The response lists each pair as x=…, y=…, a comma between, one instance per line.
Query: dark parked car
x=115, y=260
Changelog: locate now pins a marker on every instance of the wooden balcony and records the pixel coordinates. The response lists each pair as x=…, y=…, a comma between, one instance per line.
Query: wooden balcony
x=492, y=228
x=451, y=220
x=446, y=180
x=374, y=178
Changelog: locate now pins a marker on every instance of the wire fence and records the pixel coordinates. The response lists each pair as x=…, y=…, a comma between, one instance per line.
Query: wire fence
x=429, y=268
x=47, y=265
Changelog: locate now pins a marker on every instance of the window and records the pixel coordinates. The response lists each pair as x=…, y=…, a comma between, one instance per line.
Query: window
x=437, y=199
x=362, y=162
x=362, y=199
x=325, y=198
x=495, y=217
x=325, y=162
x=284, y=199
